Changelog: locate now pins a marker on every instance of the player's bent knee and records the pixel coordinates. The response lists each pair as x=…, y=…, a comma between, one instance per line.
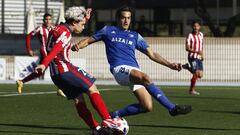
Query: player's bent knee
x=93, y=89
x=148, y=108
x=146, y=80
x=200, y=74
x=147, y=105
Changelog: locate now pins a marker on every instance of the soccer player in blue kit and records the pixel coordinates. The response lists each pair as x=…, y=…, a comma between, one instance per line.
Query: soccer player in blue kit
x=121, y=44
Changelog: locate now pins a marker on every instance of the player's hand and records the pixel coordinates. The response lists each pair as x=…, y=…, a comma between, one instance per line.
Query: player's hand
x=75, y=48
x=30, y=53
x=88, y=13
x=176, y=66
x=201, y=55
x=40, y=68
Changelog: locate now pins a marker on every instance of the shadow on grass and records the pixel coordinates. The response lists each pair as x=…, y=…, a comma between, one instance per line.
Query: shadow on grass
x=217, y=111
x=84, y=130
x=184, y=127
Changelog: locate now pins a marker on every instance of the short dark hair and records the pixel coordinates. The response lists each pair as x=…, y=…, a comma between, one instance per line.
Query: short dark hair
x=46, y=15
x=196, y=21
x=71, y=21
x=123, y=8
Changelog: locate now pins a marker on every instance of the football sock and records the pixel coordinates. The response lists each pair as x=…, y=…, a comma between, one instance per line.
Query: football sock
x=159, y=96
x=131, y=109
x=193, y=81
x=86, y=115
x=33, y=75
x=99, y=105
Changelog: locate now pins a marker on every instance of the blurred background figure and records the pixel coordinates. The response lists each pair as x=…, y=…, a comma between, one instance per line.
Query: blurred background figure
x=42, y=33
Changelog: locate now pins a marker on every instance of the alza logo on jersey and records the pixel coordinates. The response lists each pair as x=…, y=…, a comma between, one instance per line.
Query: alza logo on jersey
x=122, y=40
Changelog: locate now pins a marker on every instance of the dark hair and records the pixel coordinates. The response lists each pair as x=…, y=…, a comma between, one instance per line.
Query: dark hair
x=46, y=15
x=196, y=21
x=71, y=21
x=124, y=8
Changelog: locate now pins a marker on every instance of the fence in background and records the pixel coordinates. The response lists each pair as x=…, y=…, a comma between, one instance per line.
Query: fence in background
x=15, y=13
x=221, y=64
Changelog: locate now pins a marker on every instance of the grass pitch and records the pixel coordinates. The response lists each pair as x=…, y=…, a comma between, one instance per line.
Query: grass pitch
x=215, y=112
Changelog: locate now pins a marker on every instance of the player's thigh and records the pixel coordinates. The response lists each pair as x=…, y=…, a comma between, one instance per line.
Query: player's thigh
x=144, y=98
x=199, y=73
x=75, y=82
x=122, y=74
x=139, y=77
x=199, y=68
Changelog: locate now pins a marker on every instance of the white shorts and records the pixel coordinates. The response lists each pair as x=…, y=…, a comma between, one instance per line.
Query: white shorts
x=121, y=74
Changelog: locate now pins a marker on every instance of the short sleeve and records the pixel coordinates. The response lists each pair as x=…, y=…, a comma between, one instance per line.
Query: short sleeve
x=141, y=44
x=100, y=34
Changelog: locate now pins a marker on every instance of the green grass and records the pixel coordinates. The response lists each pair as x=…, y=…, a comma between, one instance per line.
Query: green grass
x=215, y=112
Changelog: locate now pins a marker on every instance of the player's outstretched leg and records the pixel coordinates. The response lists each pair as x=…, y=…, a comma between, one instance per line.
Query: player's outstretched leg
x=193, y=83
x=162, y=99
x=99, y=105
x=85, y=114
x=129, y=110
x=144, y=105
x=20, y=83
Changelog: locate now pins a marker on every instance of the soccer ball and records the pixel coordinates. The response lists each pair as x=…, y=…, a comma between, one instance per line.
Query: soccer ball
x=122, y=125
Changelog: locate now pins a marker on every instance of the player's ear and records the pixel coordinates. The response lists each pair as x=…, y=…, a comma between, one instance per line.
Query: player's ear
x=75, y=22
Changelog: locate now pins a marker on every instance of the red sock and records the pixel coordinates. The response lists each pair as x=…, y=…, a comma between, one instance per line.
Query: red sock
x=86, y=115
x=193, y=82
x=33, y=75
x=99, y=105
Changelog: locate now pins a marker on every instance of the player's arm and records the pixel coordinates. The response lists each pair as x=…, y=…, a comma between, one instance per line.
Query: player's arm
x=189, y=49
x=98, y=36
x=56, y=49
x=156, y=57
x=28, y=40
x=188, y=46
x=83, y=43
x=28, y=44
x=61, y=42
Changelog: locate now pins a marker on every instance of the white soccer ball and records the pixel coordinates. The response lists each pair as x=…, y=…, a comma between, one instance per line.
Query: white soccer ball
x=122, y=125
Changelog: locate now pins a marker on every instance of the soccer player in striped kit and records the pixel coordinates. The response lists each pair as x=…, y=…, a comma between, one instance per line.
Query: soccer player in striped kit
x=72, y=80
x=194, y=47
x=121, y=44
x=42, y=33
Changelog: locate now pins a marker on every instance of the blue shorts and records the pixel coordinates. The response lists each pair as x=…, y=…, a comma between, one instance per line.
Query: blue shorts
x=196, y=64
x=73, y=83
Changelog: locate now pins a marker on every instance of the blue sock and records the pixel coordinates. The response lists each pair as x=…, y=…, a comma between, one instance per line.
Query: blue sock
x=131, y=109
x=159, y=96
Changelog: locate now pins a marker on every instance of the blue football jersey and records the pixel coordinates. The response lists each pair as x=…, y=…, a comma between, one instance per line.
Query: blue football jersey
x=120, y=45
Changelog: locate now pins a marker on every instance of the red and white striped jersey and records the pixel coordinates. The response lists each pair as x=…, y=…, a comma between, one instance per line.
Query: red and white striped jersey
x=58, y=46
x=196, y=42
x=42, y=33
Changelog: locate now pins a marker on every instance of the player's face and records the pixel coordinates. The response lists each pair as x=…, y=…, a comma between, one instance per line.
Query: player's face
x=196, y=27
x=48, y=21
x=79, y=27
x=125, y=20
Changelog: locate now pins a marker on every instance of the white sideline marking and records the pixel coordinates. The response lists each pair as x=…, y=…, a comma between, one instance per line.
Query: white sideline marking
x=12, y=94
x=29, y=93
